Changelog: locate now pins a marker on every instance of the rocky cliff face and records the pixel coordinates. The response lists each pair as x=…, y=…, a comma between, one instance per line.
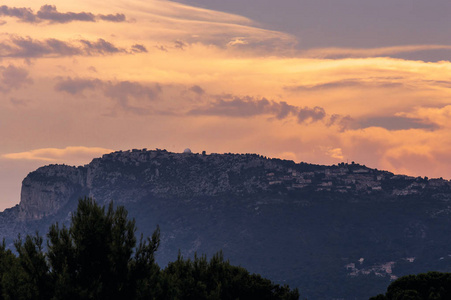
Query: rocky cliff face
x=48, y=189
x=129, y=176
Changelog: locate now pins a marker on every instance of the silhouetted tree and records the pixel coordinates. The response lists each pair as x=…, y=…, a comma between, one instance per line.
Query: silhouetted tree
x=218, y=279
x=431, y=285
x=98, y=257
x=93, y=259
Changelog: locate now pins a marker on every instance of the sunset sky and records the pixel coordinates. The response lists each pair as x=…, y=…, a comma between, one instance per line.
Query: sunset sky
x=319, y=81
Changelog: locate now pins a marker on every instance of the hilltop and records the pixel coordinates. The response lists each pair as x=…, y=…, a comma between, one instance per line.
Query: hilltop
x=340, y=231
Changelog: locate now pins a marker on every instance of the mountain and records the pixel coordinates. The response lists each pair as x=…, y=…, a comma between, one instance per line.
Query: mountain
x=336, y=232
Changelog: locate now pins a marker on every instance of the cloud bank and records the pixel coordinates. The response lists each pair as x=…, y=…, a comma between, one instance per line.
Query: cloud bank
x=232, y=106
x=122, y=92
x=27, y=47
x=52, y=15
x=340, y=53
x=68, y=154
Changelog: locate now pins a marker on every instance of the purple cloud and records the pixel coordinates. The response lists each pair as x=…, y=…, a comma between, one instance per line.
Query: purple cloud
x=236, y=107
x=137, y=48
x=124, y=90
x=231, y=106
x=13, y=77
x=113, y=18
x=197, y=89
x=18, y=102
x=311, y=115
x=27, y=47
x=179, y=45
x=100, y=47
x=134, y=96
x=22, y=13
x=121, y=92
x=395, y=123
x=76, y=86
x=51, y=14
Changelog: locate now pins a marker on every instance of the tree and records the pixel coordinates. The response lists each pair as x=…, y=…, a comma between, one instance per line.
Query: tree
x=218, y=279
x=33, y=264
x=98, y=257
x=93, y=258
x=431, y=285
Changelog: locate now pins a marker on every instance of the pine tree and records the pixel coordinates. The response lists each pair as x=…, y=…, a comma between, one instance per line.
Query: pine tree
x=93, y=259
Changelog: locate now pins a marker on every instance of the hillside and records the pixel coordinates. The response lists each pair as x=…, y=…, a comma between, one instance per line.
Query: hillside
x=341, y=231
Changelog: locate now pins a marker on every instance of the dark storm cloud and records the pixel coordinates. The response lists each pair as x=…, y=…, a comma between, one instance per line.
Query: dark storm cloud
x=394, y=123
x=51, y=14
x=13, y=77
x=27, y=47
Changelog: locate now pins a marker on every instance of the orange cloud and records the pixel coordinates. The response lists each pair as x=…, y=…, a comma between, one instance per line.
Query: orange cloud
x=336, y=153
x=66, y=155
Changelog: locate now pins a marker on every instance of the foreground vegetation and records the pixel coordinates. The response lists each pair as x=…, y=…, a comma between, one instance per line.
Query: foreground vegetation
x=426, y=286
x=99, y=257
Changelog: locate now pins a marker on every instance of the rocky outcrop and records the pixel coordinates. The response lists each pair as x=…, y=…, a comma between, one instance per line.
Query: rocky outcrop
x=48, y=189
x=129, y=176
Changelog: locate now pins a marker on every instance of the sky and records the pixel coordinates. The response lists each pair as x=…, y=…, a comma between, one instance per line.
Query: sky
x=317, y=81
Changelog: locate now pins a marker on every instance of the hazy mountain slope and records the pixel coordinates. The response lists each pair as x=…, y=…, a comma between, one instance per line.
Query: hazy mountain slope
x=333, y=231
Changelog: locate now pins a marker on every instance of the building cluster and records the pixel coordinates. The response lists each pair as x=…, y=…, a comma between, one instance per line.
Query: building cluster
x=353, y=178
x=255, y=171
